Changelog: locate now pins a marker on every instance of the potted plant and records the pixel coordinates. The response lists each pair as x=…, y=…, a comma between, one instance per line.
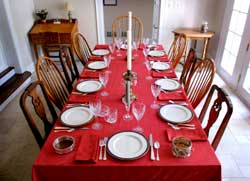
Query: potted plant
x=42, y=14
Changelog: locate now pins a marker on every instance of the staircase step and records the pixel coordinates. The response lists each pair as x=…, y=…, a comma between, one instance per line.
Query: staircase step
x=8, y=88
x=6, y=75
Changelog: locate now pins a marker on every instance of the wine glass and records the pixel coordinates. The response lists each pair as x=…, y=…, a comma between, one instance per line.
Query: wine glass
x=118, y=43
x=138, y=109
x=145, y=52
x=103, y=78
x=155, y=89
x=135, y=47
x=95, y=107
x=149, y=67
x=127, y=116
x=111, y=49
x=146, y=41
x=107, y=60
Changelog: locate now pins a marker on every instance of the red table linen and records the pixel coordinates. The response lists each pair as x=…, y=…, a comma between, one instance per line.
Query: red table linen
x=81, y=98
x=89, y=74
x=161, y=74
x=87, y=149
x=202, y=165
x=175, y=96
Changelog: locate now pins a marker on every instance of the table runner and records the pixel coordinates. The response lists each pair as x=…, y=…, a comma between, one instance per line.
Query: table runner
x=202, y=165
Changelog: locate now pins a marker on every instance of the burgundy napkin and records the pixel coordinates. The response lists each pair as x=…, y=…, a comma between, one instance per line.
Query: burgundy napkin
x=87, y=149
x=160, y=74
x=78, y=98
x=175, y=96
x=101, y=47
x=89, y=74
x=95, y=58
x=195, y=135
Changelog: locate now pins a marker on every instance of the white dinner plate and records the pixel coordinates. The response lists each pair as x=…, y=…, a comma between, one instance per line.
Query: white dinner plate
x=160, y=66
x=97, y=65
x=89, y=86
x=176, y=113
x=76, y=116
x=168, y=84
x=127, y=145
x=100, y=52
x=152, y=46
x=156, y=53
x=124, y=46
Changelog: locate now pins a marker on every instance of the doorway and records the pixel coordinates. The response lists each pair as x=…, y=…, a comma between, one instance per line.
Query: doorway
x=234, y=54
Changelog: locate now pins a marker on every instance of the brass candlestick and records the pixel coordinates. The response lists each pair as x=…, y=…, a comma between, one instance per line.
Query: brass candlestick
x=128, y=77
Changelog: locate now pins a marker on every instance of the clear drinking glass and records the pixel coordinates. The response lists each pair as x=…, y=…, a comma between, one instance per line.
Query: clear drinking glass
x=135, y=47
x=111, y=117
x=149, y=67
x=138, y=109
x=127, y=116
x=107, y=61
x=155, y=89
x=111, y=49
x=118, y=43
x=95, y=107
x=103, y=78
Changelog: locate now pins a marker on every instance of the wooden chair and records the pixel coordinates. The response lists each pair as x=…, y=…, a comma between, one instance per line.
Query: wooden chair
x=214, y=112
x=189, y=66
x=200, y=81
x=55, y=85
x=35, y=104
x=120, y=27
x=81, y=48
x=177, y=49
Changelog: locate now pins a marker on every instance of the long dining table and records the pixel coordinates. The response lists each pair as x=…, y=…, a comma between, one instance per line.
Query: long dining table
x=201, y=165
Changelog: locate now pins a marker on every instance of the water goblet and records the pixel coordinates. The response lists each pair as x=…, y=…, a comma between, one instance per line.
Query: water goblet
x=135, y=47
x=111, y=117
x=118, y=43
x=95, y=107
x=155, y=89
x=107, y=60
x=103, y=78
x=111, y=49
x=127, y=116
x=138, y=109
x=149, y=67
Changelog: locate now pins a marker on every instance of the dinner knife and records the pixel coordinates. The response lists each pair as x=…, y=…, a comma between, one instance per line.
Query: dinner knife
x=152, y=154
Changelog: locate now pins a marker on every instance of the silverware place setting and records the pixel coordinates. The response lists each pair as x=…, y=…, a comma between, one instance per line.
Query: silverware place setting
x=68, y=129
x=182, y=126
x=103, y=144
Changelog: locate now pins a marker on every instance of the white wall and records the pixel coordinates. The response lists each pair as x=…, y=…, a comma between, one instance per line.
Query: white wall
x=84, y=11
x=142, y=9
x=191, y=13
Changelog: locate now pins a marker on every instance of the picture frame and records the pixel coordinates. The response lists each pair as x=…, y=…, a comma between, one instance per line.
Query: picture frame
x=109, y=2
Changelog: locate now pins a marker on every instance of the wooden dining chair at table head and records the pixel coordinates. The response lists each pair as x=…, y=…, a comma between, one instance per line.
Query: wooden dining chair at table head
x=81, y=47
x=220, y=97
x=177, y=49
x=200, y=81
x=38, y=111
x=189, y=66
x=55, y=85
x=120, y=27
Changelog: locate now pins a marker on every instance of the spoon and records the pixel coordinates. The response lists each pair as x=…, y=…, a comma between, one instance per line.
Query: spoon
x=157, y=146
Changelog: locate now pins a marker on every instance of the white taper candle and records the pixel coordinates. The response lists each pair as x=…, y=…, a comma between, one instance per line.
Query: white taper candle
x=129, y=51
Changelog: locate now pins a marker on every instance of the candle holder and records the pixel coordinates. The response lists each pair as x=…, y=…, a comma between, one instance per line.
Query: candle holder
x=128, y=77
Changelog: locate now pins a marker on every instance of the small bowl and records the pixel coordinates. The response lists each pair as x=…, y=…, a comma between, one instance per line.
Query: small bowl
x=181, y=147
x=64, y=144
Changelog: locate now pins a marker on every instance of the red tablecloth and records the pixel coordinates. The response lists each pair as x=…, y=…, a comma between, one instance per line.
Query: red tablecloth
x=201, y=165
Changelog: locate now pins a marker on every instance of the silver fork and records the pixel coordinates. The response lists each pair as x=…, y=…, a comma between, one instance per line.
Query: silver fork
x=101, y=144
x=180, y=127
x=105, y=139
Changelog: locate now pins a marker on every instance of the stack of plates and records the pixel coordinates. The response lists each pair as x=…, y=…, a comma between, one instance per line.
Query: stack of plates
x=89, y=86
x=76, y=116
x=100, y=52
x=156, y=53
x=97, y=65
x=168, y=84
x=176, y=113
x=127, y=145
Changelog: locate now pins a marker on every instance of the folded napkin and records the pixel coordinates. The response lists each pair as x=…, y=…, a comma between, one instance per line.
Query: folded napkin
x=80, y=98
x=95, y=58
x=175, y=96
x=89, y=74
x=87, y=149
x=161, y=59
x=195, y=135
x=160, y=74
x=101, y=47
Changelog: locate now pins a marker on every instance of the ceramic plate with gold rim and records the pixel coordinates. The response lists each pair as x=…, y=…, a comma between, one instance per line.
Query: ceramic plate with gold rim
x=89, y=86
x=100, y=52
x=156, y=53
x=168, y=84
x=97, y=65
